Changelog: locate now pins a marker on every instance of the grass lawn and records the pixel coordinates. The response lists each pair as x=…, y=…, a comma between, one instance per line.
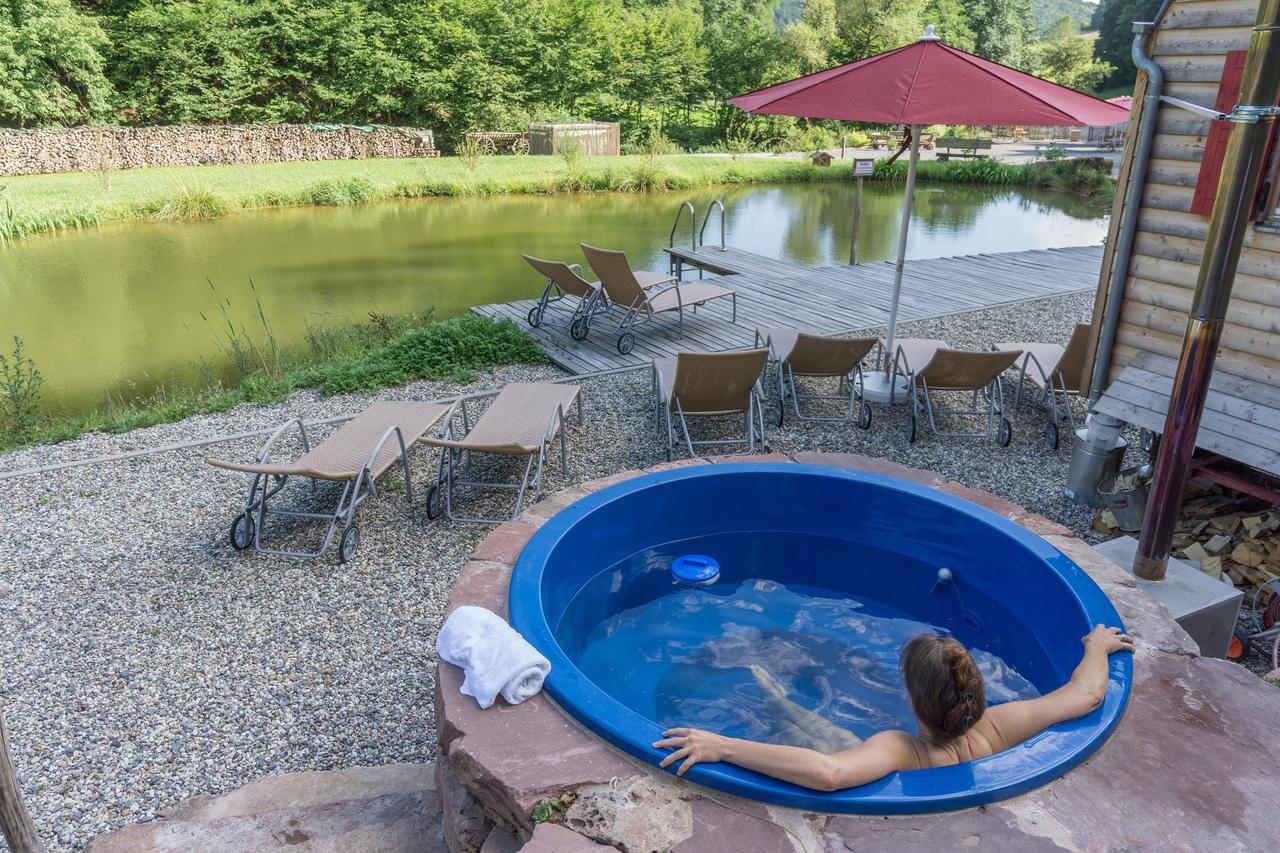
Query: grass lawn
x=34, y=203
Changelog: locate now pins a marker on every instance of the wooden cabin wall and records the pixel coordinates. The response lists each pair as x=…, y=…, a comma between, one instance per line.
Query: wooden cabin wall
x=1190, y=45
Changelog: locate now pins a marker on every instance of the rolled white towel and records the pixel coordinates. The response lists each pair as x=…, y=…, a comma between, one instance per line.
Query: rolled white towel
x=494, y=658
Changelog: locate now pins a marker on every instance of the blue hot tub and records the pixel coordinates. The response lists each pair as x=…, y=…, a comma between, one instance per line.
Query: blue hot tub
x=822, y=574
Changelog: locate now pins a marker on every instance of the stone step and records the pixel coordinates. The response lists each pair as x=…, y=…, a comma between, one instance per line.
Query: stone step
x=392, y=809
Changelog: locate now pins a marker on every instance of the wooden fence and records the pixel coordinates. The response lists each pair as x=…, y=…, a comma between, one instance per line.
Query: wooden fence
x=592, y=137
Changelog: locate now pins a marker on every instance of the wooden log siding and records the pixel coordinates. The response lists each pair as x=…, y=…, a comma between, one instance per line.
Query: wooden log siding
x=1191, y=46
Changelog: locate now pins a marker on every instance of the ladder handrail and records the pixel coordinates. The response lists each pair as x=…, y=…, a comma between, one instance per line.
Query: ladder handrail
x=693, y=225
x=714, y=204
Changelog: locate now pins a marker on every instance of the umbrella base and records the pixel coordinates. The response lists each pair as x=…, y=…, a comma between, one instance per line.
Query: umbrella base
x=876, y=387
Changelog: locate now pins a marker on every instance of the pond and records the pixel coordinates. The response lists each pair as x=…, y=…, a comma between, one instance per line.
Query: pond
x=119, y=310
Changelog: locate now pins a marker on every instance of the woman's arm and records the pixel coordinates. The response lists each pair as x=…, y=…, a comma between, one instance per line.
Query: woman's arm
x=878, y=756
x=1015, y=722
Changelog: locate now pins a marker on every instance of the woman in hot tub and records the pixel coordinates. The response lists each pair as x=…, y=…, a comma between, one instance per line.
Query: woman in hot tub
x=949, y=699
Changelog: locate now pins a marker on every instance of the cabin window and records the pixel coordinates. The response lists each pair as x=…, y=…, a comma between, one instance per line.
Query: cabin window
x=1267, y=200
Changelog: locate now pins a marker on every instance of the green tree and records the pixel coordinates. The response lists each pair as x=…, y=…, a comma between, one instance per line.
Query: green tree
x=866, y=27
x=51, y=65
x=658, y=60
x=1067, y=58
x=1002, y=30
x=951, y=22
x=1115, y=35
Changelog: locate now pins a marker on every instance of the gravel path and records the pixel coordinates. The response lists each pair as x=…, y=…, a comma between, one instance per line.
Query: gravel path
x=145, y=661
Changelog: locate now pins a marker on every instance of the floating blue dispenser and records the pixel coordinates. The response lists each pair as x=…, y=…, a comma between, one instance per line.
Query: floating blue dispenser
x=696, y=569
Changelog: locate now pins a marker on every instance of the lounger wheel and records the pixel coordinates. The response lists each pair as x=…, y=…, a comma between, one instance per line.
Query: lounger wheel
x=1238, y=648
x=1051, y=436
x=433, y=502
x=1004, y=434
x=349, y=543
x=535, y=316
x=578, y=329
x=626, y=343
x=864, y=417
x=242, y=531
x=911, y=429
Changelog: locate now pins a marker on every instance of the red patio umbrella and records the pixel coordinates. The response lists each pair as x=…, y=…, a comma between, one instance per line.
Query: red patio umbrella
x=927, y=82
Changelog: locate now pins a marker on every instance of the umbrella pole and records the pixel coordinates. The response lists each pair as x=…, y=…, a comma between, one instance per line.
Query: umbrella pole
x=901, y=246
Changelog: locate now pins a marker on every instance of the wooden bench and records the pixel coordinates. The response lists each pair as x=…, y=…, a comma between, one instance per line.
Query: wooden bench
x=959, y=147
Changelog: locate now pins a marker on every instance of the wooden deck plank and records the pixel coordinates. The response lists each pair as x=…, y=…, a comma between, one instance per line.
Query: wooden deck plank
x=830, y=299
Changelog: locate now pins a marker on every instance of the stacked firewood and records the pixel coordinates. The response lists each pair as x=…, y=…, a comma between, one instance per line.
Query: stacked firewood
x=1223, y=532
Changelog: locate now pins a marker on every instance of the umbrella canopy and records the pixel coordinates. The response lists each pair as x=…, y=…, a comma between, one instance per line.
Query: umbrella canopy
x=923, y=83
x=929, y=82
x=1125, y=101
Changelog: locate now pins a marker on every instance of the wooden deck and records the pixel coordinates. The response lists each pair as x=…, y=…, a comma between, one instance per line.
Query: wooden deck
x=1241, y=419
x=829, y=300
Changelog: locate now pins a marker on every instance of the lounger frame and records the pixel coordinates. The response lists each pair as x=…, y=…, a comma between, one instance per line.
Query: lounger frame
x=263, y=487
x=666, y=421
x=850, y=390
x=578, y=324
x=997, y=425
x=456, y=464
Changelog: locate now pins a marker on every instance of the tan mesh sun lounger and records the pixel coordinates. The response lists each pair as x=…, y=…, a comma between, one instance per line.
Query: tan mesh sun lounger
x=908, y=356
x=563, y=281
x=959, y=370
x=798, y=353
x=522, y=420
x=360, y=452
x=1055, y=370
x=632, y=301
x=709, y=384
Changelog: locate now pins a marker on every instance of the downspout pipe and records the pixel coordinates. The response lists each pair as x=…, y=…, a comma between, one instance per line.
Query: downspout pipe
x=1146, y=133
x=1253, y=120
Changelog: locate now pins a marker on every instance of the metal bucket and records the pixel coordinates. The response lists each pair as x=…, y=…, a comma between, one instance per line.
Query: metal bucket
x=1128, y=504
x=1090, y=465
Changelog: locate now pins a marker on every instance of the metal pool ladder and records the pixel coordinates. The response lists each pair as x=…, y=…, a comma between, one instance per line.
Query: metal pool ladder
x=697, y=236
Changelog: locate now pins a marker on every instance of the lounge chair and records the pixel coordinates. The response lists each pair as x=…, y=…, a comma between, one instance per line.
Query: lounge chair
x=631, y=301
x=909, y=355
x=1055, y=370
x=797, y=353
x=564, y=281
x=356, y=455
x=522, y=420
x=709, y=384
x=958, y=370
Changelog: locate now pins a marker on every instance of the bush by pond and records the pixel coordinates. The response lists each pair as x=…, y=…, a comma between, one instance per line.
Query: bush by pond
x=1089, y=177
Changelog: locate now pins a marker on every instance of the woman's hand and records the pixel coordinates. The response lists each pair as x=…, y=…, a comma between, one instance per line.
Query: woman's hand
x=693, y=745
x=1109, y=640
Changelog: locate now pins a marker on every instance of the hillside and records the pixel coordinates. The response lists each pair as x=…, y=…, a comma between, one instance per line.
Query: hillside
x=1044, y=12
x=1047, y=12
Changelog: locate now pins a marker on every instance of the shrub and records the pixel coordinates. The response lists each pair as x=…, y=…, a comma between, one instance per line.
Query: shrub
x=20, y=383
x=338, y=191
x=195, y=203
x=450, y=348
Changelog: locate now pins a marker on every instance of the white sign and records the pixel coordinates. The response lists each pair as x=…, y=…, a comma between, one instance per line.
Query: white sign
x=863, y=166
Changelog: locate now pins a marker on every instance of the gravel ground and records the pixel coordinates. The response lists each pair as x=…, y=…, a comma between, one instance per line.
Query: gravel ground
x=146, y=661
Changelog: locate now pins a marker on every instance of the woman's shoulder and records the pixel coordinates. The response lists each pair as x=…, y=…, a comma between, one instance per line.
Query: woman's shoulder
x=910, y=752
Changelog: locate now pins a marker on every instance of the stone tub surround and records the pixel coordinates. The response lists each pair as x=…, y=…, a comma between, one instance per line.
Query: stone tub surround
x=1194, y=765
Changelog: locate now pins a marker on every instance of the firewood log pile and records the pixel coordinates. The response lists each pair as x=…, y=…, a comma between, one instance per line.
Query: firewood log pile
x=1224, y=532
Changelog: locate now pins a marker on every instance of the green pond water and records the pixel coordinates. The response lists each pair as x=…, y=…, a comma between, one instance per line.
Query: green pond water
x=117, y=311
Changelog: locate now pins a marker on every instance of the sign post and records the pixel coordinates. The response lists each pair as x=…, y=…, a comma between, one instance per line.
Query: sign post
x=862, y=166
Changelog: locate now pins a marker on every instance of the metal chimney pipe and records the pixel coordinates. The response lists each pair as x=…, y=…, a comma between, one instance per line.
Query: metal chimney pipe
x=1242, y=166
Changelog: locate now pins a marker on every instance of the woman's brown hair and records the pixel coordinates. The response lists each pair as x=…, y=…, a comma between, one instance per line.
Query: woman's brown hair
x=944, y=684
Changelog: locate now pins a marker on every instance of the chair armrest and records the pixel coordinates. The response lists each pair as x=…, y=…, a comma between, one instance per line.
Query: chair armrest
x=264, y=455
